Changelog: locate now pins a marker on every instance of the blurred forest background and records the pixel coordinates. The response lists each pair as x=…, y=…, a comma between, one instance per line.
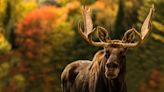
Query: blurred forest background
x=38, y=38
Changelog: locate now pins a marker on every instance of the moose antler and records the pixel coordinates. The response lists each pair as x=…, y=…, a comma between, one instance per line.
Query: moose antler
x=125, y=42
x=88, y=28
x=145, y=29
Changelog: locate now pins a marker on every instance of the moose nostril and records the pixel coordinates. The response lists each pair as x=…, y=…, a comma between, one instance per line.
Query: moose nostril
x=112, y=65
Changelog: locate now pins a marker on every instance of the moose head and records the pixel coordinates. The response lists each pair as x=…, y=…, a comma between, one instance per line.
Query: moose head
x=115, y=50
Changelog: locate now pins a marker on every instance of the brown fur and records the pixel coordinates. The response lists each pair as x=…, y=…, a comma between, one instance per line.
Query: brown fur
x=88, y=76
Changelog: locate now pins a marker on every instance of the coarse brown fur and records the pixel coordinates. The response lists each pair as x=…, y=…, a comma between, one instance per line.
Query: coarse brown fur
x=88, y=76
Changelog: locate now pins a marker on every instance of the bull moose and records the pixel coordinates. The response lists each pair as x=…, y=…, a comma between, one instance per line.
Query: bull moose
x=106, y=72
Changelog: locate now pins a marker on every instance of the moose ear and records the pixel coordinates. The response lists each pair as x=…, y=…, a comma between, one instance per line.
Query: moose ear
x=102, y=34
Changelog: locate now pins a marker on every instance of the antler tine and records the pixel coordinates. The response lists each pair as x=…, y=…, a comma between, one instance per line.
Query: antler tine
x=88, y=28
x=145, y=29
x=88, y=25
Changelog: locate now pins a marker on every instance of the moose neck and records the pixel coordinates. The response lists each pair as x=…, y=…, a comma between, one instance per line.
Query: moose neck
x=113, y=85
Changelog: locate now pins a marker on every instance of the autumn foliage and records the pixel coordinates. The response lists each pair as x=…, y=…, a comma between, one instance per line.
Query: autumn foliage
x=35, y=30
x=38, y=36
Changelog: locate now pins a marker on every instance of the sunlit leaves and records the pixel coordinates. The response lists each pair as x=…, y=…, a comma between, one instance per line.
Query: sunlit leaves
x=105, y=15
x=63, y=2
x=39, y=29
x=4, y=44
x=19, y=80
x=22, y=7
x=43, y=36
x=73, y=6
x=158, y=37
x=2, y=10
x=18, y=8
x=158, y=26
x=4, y=69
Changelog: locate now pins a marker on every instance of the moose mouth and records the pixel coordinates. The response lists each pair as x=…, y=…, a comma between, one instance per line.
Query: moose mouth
x=110, y=75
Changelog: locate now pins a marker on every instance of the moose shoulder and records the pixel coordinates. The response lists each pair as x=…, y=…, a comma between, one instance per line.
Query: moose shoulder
x=106, y=72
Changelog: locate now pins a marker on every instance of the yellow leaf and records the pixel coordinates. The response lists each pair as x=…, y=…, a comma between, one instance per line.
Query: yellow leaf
x=158, y=37
x=158, y=26
x=19, y=77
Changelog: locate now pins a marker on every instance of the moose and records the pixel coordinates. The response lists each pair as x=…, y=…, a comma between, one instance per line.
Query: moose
x=106, y=71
